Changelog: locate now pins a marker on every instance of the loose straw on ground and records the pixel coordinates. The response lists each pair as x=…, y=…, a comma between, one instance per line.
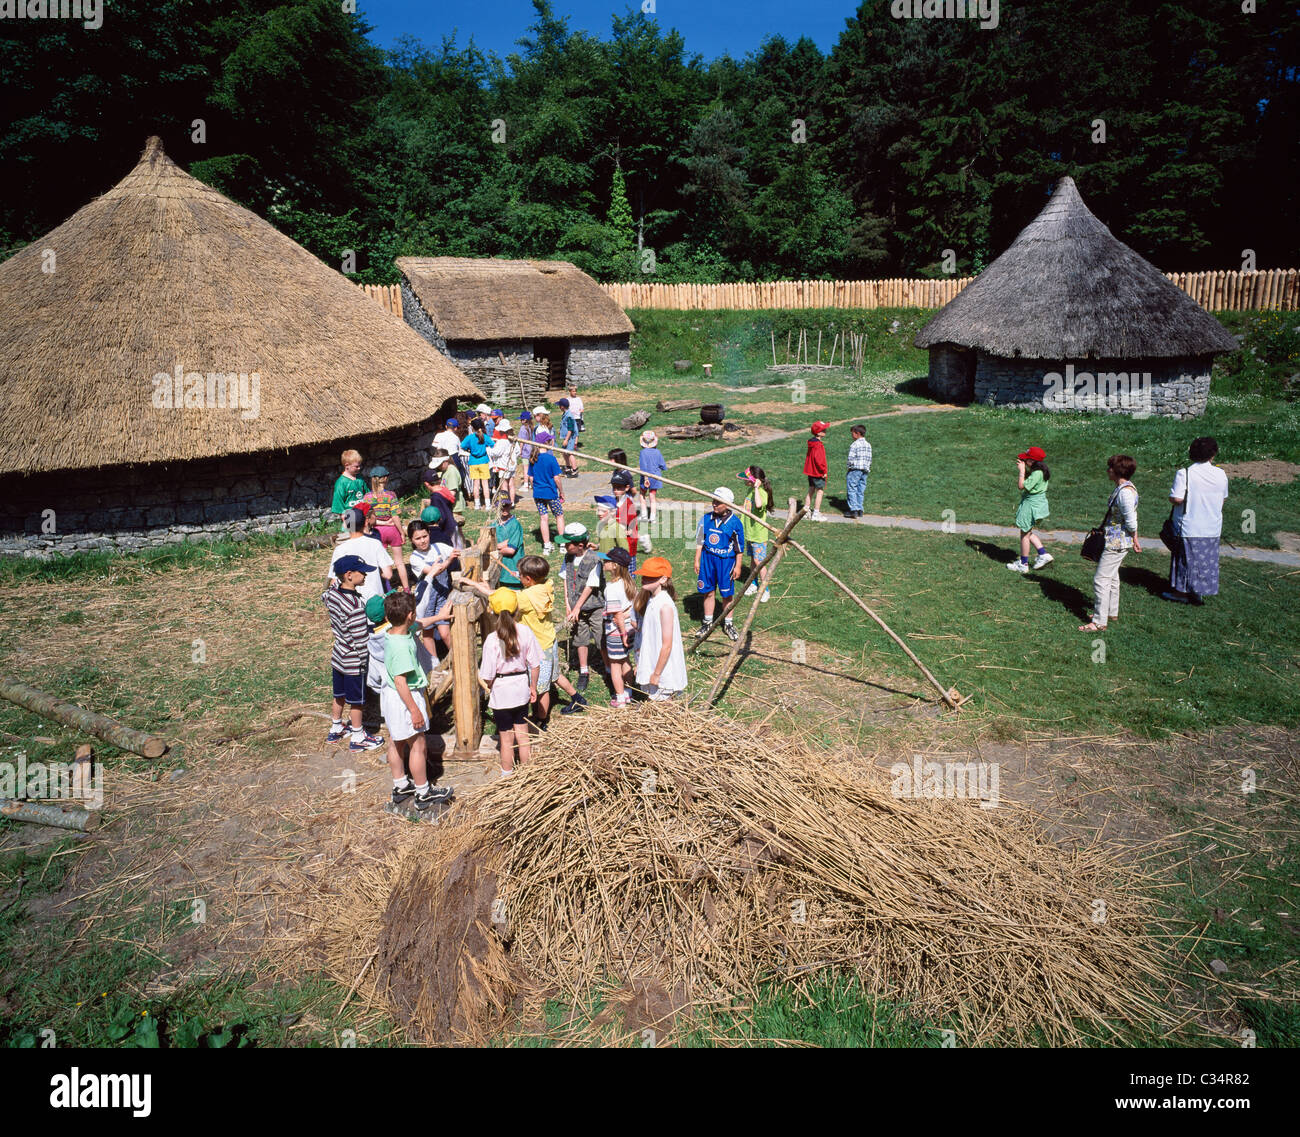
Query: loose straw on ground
x=949, y=695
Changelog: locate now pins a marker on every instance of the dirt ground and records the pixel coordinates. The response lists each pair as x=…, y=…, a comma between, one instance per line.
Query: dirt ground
x=1270, y=472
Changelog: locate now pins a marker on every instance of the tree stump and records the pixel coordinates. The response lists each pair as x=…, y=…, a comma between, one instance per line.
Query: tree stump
x=682, y=364
x=636, y=421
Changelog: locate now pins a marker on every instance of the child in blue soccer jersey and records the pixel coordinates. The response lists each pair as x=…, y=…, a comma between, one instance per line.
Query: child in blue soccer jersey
x=719, y=547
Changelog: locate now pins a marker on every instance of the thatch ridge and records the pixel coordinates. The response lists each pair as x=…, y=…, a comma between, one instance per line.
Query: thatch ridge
x=1067, y=288
x=163, y=270
x=477, y=298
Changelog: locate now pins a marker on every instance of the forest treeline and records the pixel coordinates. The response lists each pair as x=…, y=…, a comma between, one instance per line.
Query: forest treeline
x=628, y=154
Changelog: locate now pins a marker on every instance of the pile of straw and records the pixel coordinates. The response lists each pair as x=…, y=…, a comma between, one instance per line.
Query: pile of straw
x=669, y=850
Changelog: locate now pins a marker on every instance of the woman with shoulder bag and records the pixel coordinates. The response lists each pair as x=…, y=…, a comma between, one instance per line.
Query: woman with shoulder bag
x=1119, y=530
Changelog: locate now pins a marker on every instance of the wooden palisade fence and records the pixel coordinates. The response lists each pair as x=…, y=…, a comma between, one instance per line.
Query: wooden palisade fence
x=389, y=296
x=1225, y=291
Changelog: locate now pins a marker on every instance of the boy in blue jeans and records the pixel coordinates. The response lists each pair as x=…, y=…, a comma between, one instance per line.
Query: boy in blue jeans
x=719, y=549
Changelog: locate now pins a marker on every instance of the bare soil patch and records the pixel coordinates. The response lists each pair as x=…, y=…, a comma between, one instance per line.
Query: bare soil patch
x=1266, y=472
x=775, y=408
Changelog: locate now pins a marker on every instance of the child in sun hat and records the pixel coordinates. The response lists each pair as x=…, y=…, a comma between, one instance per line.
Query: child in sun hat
x=387, y=523
x=1032, y=483
x=505, y=460
x=474, y=449
x=536, y=609
x=511, y=660
x=620, y=623
x=719, y=549
x=652, y=465
x=756, y=536
x=660, y=660
x=405, y=703
x=814, y=466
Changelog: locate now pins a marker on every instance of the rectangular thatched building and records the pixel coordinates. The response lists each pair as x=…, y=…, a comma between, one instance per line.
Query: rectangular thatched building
x=478, y=311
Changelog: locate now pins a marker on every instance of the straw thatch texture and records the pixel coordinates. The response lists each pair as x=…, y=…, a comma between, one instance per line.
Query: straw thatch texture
x=1067, y=289
x=664, y=850
x=163, y=270
x=472, y=298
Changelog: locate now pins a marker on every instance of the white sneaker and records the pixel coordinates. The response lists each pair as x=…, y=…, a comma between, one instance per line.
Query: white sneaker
x=1043, y=560
x=818, y=517
x=548, y=549
x=753, y=587
x=1018, y=566
x=767, y=595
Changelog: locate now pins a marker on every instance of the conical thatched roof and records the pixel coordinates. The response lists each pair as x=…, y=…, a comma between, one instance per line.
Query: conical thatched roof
x=163, y=270
x=1067, y=289
x=472, y=298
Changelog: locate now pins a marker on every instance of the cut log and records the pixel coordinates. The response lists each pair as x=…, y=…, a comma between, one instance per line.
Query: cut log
x=677, y=405
x=89, y=722
x=682, y=364
x=43, y=813
x=636, y=421
x=697, y=430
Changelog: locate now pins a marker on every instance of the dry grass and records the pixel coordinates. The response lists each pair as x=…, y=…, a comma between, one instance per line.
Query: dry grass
x=751, y=860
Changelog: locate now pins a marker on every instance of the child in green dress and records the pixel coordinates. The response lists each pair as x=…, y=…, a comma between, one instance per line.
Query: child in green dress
x=1034, y=476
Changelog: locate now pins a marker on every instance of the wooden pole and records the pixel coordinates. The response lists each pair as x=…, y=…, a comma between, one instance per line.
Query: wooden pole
x=819, y=347
x=101, y=726
x=744, y=632
x=773, y=348
x=464, y=669
x=45, y=813
x=951, y=697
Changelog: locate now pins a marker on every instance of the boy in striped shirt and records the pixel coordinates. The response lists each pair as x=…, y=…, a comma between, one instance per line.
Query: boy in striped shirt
x=350, y=652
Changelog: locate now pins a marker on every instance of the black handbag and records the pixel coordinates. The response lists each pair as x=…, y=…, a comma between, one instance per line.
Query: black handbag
x=1170, y=536
x=1094, y=544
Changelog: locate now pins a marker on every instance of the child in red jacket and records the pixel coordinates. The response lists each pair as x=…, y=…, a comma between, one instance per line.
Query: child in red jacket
x=814, y=465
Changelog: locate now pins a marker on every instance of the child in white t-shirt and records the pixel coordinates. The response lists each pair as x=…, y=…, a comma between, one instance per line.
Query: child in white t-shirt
x=620, y=623
x=575, y=408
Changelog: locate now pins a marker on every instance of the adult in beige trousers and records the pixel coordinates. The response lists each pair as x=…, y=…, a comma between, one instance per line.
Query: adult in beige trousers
x=1120, y=529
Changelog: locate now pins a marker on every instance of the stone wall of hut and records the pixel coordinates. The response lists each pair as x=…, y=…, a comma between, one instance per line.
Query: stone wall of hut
x=1173, y=388
x=138, y=507
x=600, y=361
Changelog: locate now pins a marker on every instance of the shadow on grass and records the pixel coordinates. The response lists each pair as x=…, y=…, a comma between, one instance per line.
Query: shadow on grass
x=1069, y=597
x=994, y=552
x=1154, y=582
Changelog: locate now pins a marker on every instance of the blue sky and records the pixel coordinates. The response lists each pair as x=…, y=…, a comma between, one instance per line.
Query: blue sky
x=710, y=27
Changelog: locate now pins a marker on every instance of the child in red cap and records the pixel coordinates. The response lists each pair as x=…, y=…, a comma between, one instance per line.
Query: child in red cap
x=1034, y=476
x=814, y=466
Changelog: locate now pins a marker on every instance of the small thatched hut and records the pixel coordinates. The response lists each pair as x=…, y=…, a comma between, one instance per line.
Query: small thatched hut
x=173, y=368
x=478, y=311
x=1069, y=318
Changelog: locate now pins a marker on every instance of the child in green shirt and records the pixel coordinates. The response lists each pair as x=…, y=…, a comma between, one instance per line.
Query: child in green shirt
x=1034, y=476
x=349, y=487
x=756, y=535
x=406, y=708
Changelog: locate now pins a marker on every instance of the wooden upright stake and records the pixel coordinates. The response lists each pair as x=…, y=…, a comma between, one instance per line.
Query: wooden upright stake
x=749, y=620
x=774, y=348
x=819, y=347
x=464, y=670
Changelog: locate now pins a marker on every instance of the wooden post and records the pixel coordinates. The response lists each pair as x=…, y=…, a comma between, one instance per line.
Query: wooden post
x=101, y=726
x=464, y=670
x=744, y=631
x=773, y=348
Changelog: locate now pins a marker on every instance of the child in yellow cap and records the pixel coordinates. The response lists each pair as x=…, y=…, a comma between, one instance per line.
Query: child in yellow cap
x=511, y=657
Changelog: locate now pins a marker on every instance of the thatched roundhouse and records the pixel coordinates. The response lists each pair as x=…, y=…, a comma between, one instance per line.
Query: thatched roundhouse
x=175, y=368
x=479, y=311
x=1069, y=318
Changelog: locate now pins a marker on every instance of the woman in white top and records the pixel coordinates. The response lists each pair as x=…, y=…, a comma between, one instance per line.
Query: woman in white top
x=660, y=660
x=1198, y=494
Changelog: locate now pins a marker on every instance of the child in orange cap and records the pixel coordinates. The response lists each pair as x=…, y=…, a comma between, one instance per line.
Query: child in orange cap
x=660, y=660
